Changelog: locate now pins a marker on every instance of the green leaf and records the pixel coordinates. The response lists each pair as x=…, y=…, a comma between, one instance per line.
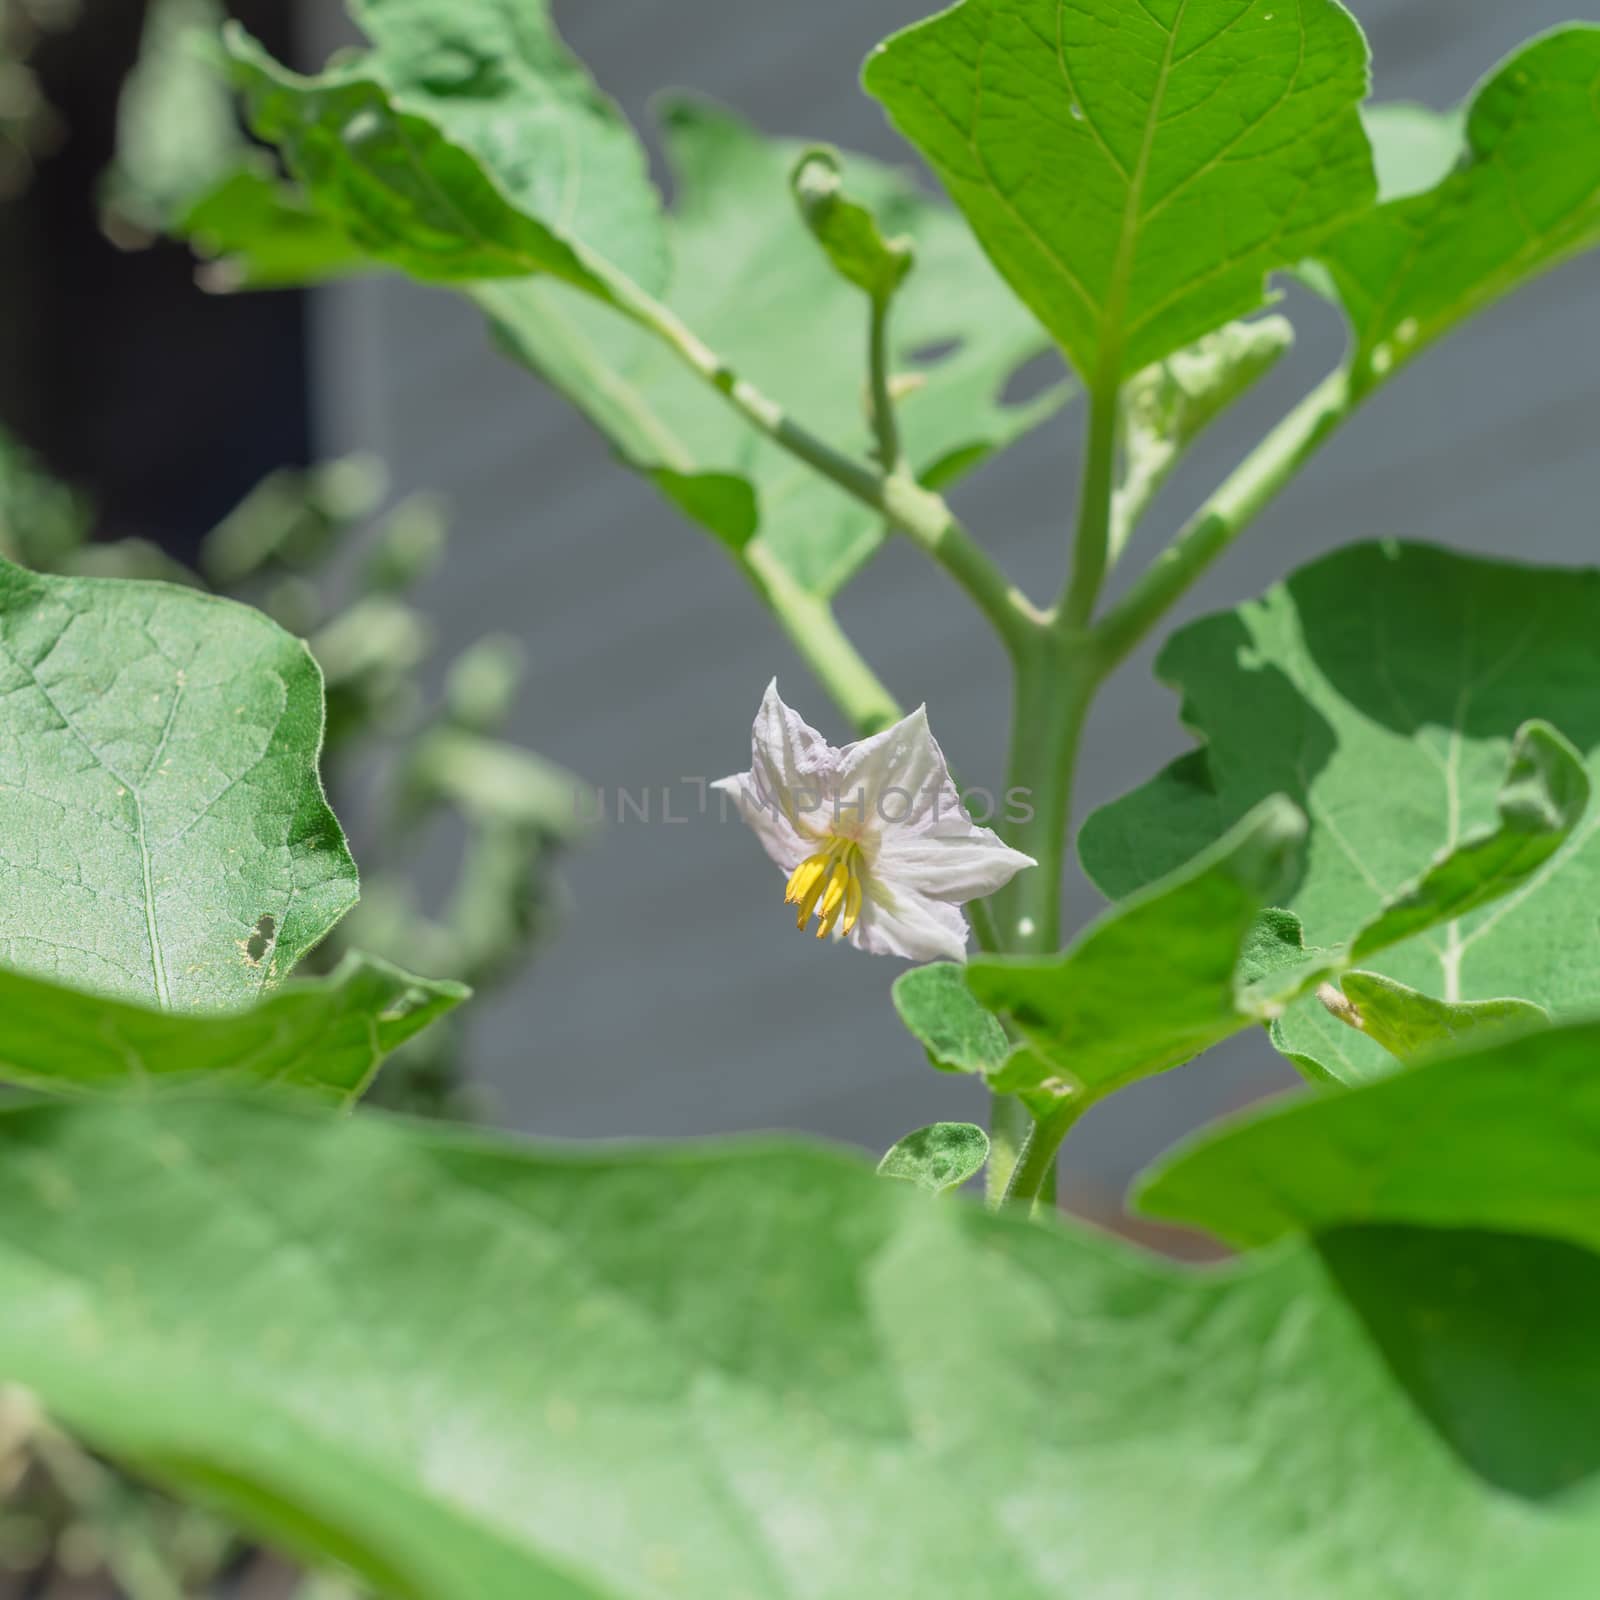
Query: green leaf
x=1505, y=1138
x=937, y=1158
x=1525, y=197
x=847, y=231
x=259, y=232
x=409, y=151
x=751, y=283
x=1414, y=148
x=1136, y=170
x=177, y=134
x=1153, y=982
x=1381, y=689
x=1540, y=804
x=937, y=1007
x=1411, y=1026
x=159, y=796
x=465, y=1368
x=323, y=1034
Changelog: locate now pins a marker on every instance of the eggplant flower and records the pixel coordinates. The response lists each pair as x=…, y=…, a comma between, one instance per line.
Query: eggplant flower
x=873, y=837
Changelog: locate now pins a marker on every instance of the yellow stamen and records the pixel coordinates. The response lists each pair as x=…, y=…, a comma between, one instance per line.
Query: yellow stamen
x=829, y=884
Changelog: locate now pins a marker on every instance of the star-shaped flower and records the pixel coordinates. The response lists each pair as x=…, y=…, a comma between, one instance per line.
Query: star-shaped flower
x=873, y=837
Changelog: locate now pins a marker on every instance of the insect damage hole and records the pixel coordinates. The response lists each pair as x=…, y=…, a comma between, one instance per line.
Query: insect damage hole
x=262, y=938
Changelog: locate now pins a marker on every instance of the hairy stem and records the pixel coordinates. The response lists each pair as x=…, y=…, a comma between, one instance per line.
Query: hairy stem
x=1009, y=1126
x=917, y=512
x=1224, y=517
x=1095, y=493
x=1033, y=1179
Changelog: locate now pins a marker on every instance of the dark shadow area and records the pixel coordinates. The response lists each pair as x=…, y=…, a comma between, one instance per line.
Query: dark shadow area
x=163, y=403
x=1493, y=1337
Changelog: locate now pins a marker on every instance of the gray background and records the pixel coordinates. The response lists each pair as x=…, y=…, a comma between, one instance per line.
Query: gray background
x=678, y=999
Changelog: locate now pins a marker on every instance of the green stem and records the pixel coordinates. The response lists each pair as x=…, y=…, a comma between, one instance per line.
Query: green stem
x=1224, y=517
x=1054, y=684
x=814, y=631
x=1034, y=1176
x=1091, y=546
x=1009, y=1126
x=885, y=425
x=917, y=512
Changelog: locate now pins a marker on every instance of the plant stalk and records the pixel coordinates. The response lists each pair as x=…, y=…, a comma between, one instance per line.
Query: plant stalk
x=1095, y=495
x=1033, y=1179
x=885, y=424
x=917, y=512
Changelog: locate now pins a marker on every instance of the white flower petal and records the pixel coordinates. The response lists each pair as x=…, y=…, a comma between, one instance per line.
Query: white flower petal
x=952, y=860
x=897, y=778
x=909, y=925
x=783, y=842
x=788, y=757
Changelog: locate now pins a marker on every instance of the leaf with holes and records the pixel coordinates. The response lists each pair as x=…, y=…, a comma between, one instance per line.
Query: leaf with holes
x=468, y=144
x=1382, y=689
x=159, y=799
x=1523, y=197
x=757, y=289
x=462, y=1367
x=326, y=1035
x=1136, y=168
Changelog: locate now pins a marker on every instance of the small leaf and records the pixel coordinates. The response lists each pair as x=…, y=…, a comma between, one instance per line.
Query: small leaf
x=1136, y=171
x=1525, y=197
x=937, y=1158
x=324, y=1034
x=1410, y=1025
x=1385, y=689
x=1155, y=981
x=847, y=231
x=1505, y=1137
x=936, y=1005
x=159, y=794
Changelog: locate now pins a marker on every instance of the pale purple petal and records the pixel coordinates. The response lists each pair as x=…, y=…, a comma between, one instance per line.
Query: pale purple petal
x=909, y=925
x=951, y=860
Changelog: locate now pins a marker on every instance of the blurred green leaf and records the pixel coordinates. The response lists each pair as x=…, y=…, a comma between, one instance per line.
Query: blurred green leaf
x=325, y=1034
x=937, y=1158
x=1411, y=1026
x=159, y=795
x=1525, y=196
x=1414, y=147
x=1382, y=689
x=847, y=231
x=259, y=232
x=940, y=1011
x=1512, y=1143
x=43, y=523
x=889, y=1383
x=751, y=284
x=177, y=130
x=1096, y=149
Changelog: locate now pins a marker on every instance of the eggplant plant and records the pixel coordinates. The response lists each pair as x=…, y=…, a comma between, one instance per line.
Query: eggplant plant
x=458, y=1366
